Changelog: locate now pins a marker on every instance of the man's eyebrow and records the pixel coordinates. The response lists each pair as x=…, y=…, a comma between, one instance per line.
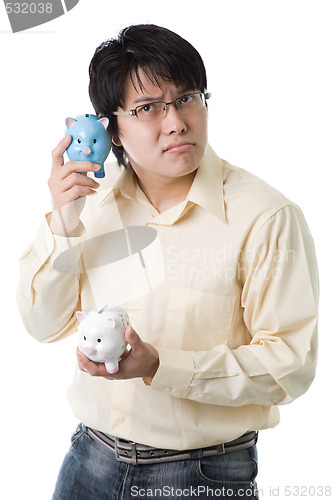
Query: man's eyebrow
x=144, y=98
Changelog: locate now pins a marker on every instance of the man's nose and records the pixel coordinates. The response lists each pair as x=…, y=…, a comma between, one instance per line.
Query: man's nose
x=173, y=121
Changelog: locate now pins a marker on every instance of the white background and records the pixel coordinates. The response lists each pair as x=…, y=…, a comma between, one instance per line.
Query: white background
x=269, y=66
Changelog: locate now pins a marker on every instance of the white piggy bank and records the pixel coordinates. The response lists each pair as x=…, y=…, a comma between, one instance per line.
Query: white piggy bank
x=101, y=335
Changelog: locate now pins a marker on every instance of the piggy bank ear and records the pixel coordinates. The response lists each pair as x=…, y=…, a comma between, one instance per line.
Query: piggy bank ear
x=104, y=122
x=70, y=122
x=80, y=316
x=112, y=321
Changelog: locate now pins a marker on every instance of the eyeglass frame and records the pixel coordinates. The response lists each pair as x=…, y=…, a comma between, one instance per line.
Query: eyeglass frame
x=133, y=112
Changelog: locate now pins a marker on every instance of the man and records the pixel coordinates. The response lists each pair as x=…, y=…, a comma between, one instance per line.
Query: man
x=222, y=295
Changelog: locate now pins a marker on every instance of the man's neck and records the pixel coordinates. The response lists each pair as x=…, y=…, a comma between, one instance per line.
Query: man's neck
x=166, y=193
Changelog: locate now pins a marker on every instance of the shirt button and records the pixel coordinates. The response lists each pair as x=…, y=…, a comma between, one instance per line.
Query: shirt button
x=167, y=389
x=121, y=420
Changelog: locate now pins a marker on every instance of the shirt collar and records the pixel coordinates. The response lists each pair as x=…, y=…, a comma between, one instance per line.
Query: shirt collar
x=206, y=189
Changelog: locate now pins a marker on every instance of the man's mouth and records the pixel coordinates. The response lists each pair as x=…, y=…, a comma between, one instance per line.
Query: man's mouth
x=178, y=147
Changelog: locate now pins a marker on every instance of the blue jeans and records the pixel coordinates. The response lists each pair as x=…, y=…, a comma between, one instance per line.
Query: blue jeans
x=90, y=471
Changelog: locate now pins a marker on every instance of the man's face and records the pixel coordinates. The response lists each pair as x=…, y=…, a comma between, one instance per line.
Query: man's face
x=165, y=149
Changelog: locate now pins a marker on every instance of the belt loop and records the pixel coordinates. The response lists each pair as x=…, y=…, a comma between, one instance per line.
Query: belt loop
x=134, y=454
x=116, y=448
x=220, y=449
x=196, y=454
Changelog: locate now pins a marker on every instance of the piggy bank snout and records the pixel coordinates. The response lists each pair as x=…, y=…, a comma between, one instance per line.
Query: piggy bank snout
x=86, y=346
x=86, y=150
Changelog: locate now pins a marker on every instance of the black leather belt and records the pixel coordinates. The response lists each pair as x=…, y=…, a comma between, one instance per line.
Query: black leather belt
x=134, y=453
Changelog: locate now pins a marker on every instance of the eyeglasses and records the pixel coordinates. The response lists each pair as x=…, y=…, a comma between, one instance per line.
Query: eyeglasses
x=158, y=110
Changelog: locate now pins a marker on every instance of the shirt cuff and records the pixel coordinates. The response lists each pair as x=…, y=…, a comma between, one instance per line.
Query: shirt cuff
x=175, y=372
x=61, y=253
x=47, y=243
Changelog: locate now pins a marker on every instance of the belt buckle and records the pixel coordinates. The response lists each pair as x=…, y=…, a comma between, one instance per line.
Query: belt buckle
x=133, y=457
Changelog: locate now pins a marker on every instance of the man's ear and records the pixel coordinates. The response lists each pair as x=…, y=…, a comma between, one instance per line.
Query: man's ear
x=116, y=141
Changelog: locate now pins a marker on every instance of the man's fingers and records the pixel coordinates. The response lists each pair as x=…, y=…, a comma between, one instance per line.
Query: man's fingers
x=88, y=366
x=65, y=188
x=80, y=166
x=131, y=336
x=75, y=179
x=74, y=194
x=59, y=150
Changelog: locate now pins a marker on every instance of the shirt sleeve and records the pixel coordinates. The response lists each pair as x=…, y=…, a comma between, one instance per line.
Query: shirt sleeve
x=279, y=302
x=47, y=295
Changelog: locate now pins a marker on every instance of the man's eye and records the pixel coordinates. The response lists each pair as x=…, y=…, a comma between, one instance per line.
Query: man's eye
x=186, y=99
x=147, y=108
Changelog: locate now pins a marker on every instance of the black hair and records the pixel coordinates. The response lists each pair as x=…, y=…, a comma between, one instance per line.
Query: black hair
x=160, y=53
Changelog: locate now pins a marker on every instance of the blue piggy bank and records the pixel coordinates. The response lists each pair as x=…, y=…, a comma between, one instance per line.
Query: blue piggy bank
x=91, y=140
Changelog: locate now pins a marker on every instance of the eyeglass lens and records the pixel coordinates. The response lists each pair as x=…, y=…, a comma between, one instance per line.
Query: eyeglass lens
x=157, y=110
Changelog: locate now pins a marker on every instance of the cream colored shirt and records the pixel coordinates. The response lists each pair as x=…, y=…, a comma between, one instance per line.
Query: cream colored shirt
x=224, y=285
